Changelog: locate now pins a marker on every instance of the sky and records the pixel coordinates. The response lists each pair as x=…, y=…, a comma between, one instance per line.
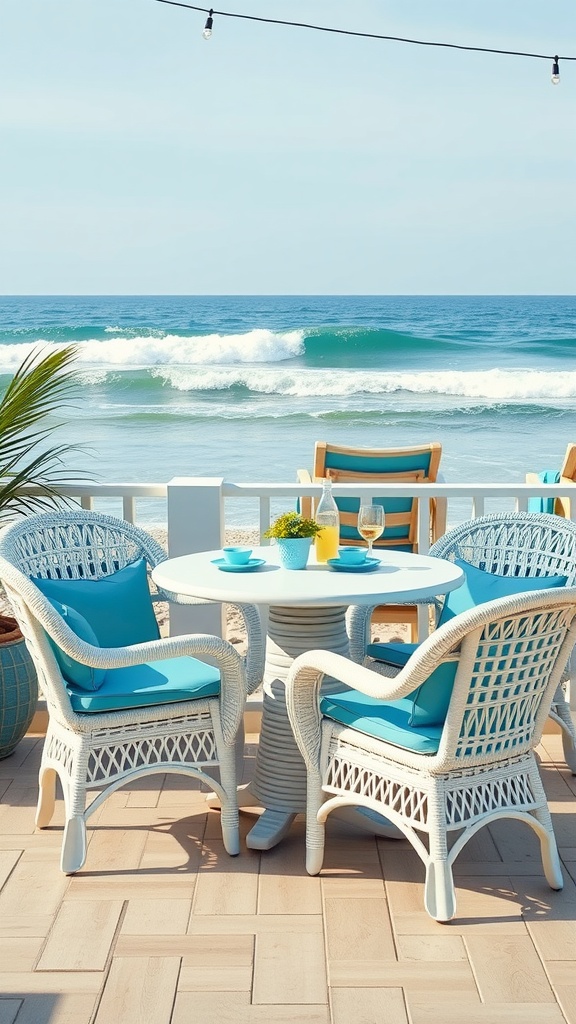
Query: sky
x=138, y=158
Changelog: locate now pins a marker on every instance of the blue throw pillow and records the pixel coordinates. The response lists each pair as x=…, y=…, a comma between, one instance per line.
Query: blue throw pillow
x=118, y=607
x=83, y=676
x=430, y=701
x=480, y=587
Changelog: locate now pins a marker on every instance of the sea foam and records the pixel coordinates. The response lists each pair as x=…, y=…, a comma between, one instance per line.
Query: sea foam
x=120, y=350
x=489, y=385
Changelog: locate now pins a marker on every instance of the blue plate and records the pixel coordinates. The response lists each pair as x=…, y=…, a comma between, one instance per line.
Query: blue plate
x=368, y=565
x=249, y=566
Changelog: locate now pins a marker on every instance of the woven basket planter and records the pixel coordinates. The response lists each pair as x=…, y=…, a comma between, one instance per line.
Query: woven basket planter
x=18, y=686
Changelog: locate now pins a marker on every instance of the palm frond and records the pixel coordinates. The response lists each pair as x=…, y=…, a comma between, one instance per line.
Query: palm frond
x=41, y=386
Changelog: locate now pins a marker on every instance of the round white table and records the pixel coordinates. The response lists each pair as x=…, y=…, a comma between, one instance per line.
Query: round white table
x=307, y=610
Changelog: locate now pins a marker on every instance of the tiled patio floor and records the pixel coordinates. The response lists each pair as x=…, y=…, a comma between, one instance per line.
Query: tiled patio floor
x=162, y=926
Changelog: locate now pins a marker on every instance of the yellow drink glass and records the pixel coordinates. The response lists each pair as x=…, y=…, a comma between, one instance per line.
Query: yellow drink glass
x=326, y=543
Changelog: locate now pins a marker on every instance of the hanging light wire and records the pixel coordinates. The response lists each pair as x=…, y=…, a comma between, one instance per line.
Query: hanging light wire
x=364, y=35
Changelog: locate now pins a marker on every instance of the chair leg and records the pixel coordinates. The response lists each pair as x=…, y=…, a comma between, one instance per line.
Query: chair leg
x=548, y=847
x=551, y=860
x=569, y=747
x=315, y=828
x=73, y=844
x=439, y=893
x=46, y=797
x=562, y=715
x=229, y=817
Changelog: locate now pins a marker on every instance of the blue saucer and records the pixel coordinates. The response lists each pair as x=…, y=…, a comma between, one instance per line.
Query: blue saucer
x=368, y=565
x=249, y=566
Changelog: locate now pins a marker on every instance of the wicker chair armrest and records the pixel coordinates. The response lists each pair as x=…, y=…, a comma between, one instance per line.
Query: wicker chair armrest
x=254, y=660
x=363, y=679
x=303, y=692
x=203, y=646
x=195, y=645
x=358, y=618
x=256, y=646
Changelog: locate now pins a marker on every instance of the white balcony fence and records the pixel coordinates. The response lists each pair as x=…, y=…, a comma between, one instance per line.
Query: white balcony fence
x=197, y=511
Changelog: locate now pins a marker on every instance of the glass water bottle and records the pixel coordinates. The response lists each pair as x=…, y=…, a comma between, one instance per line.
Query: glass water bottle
x=327, y=517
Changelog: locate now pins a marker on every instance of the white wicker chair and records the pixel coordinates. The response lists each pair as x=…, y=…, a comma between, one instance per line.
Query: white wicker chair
x=511, y=653
x=507, y=544
x=107, y=750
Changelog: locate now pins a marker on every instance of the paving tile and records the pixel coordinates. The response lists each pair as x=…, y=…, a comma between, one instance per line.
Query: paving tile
x=8, y=861
x=9, y=1010
x=235, y=1008
x=431, y=947
x=289, y=968
x=358, y=930
x=284, y=885
x=20, y=954
x=139, y=991
x=438, y=1012
x=82, y=936
x=226, y=885
x=368, y=1006
x=201, y=950
x=158, y=917
x=429, y=975
x=508, y=971
x=57, y=1008
x=550, y=916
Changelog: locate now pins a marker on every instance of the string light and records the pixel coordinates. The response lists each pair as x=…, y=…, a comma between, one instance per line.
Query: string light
x=366, y=35
x=207, y=33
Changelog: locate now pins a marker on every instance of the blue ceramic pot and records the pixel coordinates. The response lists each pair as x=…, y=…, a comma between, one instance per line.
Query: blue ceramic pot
x=294, y=551
x=18, y=687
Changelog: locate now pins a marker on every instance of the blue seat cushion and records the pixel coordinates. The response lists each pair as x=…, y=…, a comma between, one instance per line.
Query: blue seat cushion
x=392, y=653
x=83, y=676
x=432, y=698
x=141, y=686
x=385, y=720
x=118, y=607
x=548, y=476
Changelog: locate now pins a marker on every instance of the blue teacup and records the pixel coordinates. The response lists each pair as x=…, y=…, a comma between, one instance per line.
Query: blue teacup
x=352, y=556
x=237, y=555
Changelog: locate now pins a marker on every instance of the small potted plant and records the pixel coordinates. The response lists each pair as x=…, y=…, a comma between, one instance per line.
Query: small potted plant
x=293, y=534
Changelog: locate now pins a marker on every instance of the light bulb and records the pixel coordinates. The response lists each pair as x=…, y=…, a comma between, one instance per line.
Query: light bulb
x=555, y=72
x=207, y=33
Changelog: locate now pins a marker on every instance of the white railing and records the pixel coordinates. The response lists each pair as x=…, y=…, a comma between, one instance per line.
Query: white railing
x=202, y=494
x=193, y=510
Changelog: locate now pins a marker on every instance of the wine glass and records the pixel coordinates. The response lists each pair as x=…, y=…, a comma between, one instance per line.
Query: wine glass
x=370, y=524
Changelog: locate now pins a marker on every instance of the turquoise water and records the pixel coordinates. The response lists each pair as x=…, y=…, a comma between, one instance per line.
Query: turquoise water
x=242, y=386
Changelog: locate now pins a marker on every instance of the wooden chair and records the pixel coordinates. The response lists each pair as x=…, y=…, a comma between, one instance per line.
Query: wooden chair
x=444, y=771
x=413, y=465
x=565, y=475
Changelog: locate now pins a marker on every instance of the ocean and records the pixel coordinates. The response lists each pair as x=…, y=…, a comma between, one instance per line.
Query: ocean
x=242, y=386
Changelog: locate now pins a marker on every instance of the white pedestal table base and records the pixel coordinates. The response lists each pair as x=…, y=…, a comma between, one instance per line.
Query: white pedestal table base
x=279, y=783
